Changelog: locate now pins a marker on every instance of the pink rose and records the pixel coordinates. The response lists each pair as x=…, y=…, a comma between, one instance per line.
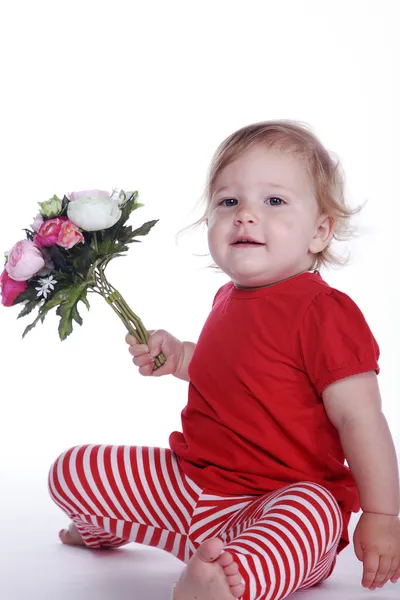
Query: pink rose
x=69, y=235
x=58, y=232
x=49, y=232
x=37, y=223
x=24, y=261
x=10, y=288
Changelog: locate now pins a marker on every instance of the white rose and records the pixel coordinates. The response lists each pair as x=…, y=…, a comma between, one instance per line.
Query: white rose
x=92, y=210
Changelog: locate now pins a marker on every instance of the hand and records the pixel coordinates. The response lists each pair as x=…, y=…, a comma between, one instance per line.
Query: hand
x=159, y=341
x=377, y=545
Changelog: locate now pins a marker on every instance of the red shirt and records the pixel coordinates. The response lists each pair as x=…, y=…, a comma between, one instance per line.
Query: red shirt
x=255, y=420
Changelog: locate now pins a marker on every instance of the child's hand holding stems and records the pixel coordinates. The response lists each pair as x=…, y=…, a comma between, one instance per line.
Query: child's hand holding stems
x=178, y=354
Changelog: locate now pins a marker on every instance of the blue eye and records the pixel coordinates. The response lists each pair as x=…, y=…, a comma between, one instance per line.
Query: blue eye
x=273, y=198
x=228, y=200
x=272, y=201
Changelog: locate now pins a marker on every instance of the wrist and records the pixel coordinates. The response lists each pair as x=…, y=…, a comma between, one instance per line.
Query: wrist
x=185, y=358
x=381, y=514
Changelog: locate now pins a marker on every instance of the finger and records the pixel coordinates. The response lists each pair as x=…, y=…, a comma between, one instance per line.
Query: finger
x=146, y=370
x=383, y=570
x=393, y=568
x=138, y=350
x=370, y=567
x=131, y=340
x=382, y=576
x=396, y=576
x=143, y=360
x=165, y=369
x=155, y=344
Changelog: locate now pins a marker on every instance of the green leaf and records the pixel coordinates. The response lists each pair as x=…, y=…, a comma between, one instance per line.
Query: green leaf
x=68, y=311
x=76, y=316
x=143, y=229
x=105, y=246
x=58, y=298
x=43, y=310
x=115, y=239
x=29, y=294
x=28, y=308
x=30, y=327
x=83, y=298
x=127, y=208
x=82, y=258
x=127, y=236
x=66, y=300
x=65, y=324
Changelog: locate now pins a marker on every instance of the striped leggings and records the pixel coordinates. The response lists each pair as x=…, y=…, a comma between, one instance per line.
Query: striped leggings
x=282, y=541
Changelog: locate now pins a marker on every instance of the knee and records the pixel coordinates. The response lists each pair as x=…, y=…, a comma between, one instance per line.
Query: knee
x=63, y=461
x=323, y=498
x=60, y=475
x=308, y=497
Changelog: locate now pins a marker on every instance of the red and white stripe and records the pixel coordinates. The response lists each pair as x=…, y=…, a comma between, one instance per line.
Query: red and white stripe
x=282, y=542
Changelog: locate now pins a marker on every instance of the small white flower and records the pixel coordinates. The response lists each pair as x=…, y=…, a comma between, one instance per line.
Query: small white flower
x=47, y=285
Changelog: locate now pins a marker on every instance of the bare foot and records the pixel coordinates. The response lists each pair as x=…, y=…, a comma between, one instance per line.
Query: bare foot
x=71, y=536
x=210, y=575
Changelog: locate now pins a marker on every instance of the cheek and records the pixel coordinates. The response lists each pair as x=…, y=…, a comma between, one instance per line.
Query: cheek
x=282, y=226
x=216, y=225
x=213, y=218
x=217, y=234
x=293, y=224
x=212, y=234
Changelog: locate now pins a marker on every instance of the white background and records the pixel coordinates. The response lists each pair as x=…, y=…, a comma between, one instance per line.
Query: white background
x=138, y=95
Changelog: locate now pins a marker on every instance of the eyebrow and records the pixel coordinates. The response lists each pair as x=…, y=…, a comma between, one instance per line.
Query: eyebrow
x=269, y=184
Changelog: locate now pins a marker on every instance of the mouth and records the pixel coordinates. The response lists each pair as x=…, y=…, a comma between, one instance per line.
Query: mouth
x=247, y=244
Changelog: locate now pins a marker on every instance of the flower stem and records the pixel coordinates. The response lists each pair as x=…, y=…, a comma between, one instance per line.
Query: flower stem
x=131, y=321
x=95, y=242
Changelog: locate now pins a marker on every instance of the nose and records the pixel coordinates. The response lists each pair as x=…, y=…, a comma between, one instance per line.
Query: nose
x=245, y=215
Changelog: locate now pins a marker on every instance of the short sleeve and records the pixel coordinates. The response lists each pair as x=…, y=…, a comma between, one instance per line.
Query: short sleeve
x=336, y=340
x=217, y=295
x=222, y=292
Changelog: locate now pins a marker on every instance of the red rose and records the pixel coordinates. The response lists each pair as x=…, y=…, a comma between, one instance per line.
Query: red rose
x=10, y=288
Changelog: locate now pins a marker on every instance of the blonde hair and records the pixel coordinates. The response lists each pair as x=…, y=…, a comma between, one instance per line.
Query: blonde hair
x=324, y=169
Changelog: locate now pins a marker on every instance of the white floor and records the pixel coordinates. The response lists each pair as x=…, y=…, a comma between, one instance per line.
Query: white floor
x=35, y=566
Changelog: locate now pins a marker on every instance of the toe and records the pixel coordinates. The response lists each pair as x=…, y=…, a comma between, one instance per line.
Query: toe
x=65, y=536
x=210, y=550
x=232, y=569
x=71, y=536
x=234, y=579
x=237, y=591
x=225, y=559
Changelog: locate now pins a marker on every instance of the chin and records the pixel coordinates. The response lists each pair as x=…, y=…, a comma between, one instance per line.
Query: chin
x=249, y=281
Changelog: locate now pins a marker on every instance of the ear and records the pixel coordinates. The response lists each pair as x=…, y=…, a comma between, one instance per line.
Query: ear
x=323, y=234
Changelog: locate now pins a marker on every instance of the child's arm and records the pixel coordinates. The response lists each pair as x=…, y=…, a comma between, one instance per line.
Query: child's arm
x=182, y=371
x=354, y=406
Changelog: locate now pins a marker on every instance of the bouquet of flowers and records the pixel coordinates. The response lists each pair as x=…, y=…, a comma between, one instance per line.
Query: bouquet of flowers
x=65, y=255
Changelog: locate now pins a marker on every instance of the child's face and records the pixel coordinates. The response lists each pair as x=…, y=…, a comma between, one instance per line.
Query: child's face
x=267, y=196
